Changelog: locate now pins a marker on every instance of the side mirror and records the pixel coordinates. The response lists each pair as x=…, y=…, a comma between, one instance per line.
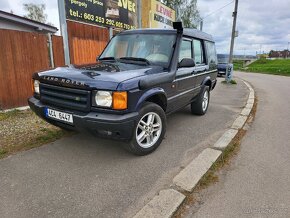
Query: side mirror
x=186, y=62
x=97, y=58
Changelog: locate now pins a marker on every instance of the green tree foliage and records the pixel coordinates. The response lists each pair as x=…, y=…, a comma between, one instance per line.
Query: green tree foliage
x=187, y=10
x=35, y=12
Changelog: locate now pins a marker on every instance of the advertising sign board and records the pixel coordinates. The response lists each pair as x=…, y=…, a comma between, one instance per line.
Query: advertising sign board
x=111, y=13
x=161, y=15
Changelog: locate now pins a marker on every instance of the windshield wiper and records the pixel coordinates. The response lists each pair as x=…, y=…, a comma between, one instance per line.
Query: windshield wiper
x=107, y=59
x=143, y=60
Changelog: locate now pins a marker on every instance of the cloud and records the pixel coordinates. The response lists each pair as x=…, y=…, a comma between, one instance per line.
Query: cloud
x=261, y=24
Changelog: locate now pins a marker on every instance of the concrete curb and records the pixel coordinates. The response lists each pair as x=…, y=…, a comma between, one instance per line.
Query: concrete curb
x=188, y=178
x=18, y=108
x=162, y=205
x=225, y=139
x=168, y=201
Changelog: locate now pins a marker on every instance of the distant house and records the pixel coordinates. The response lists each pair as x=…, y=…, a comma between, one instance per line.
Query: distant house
x=279, y=54
x=15, y=22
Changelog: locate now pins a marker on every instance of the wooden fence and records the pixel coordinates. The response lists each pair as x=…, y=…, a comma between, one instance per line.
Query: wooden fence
x=86, y=42
x=21, y=54
x=57, y=49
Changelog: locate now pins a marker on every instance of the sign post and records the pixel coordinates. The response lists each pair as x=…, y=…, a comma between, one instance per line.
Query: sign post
x=63, y=30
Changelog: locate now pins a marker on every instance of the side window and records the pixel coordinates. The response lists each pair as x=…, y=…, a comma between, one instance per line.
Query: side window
x=211, y=54
x=185, y=50
x=198, y=52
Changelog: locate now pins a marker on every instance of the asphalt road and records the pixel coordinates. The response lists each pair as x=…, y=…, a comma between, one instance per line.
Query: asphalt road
x=257, y=183
x=84, y=176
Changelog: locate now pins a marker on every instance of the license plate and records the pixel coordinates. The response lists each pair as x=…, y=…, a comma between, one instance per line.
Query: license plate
x=58, y=115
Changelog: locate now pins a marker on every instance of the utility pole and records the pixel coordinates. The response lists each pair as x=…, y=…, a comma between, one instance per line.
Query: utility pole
x=201, y=24
x=287, y=50
x=235, y=13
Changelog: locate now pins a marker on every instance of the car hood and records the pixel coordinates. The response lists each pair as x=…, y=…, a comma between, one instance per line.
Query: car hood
x=222, y=66
x=101, y=75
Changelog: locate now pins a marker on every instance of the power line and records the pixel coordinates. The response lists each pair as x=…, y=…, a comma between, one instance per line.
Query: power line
x=217, y=10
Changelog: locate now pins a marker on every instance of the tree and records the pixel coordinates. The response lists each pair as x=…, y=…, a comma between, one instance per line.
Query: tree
x=187, y=10
x=35, y=12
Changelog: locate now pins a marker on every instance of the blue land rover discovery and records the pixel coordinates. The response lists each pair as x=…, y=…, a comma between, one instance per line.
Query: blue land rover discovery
x=140, y=77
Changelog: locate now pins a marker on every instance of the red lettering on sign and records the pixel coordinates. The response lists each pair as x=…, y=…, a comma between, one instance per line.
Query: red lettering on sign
x=163, y=10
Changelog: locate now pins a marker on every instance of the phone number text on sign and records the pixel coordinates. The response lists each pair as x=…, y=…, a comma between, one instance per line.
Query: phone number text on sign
x=110, y=13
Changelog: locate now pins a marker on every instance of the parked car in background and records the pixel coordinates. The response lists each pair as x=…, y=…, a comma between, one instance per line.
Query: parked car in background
x=223, y=64
x=141, y=76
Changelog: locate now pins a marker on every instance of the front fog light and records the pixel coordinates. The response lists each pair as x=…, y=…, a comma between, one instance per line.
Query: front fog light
x=103, y=99
x=36, y=86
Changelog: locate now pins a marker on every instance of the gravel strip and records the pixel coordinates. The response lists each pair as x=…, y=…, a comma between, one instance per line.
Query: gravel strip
x=22, y=128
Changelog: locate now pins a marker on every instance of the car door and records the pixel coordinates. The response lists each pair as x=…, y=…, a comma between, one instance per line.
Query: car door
x=184, y=80
x=201, y=67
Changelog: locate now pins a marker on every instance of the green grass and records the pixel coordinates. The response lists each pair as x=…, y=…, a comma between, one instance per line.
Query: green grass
x=3, y=152
x=7, y=115
x=50, y=135
x=275, y=67
x=233, y=82
x=238, y=65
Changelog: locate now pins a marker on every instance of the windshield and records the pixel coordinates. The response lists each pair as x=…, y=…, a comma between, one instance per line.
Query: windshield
x=150, y=48
x=222, y=59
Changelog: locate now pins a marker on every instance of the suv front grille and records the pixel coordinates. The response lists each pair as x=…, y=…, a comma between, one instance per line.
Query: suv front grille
x=67, y=98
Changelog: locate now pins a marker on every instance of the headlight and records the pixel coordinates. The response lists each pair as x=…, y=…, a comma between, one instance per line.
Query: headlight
x=103, y=99
x=36, y=86
x=114, y=100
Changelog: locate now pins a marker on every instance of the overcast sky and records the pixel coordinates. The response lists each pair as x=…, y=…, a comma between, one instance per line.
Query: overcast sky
x=261, y=24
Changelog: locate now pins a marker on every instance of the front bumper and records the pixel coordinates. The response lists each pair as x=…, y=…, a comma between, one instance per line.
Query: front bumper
x=222, y=71
x=105, y=125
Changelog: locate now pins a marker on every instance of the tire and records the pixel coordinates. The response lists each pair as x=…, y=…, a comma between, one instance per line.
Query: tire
x=200, y=105
x=149, y=138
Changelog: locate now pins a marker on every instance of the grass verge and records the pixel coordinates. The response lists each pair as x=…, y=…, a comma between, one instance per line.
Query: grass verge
x=238, y=65
x=274, y=67
x=7, y=115
x=23, y=130
x=233, y=82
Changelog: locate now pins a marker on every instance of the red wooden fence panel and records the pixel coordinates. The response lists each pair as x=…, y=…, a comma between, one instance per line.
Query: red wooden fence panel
x=57, y=48
x=86, y=42
x=21, y=54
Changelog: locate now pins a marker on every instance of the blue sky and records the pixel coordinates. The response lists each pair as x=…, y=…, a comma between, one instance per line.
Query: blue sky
x=261, y=24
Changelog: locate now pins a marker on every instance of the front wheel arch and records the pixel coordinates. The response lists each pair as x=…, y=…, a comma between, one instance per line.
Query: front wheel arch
x=156, y=95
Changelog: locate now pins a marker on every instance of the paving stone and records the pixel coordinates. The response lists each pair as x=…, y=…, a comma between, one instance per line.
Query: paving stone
x=225, y=139
x=162, y=205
